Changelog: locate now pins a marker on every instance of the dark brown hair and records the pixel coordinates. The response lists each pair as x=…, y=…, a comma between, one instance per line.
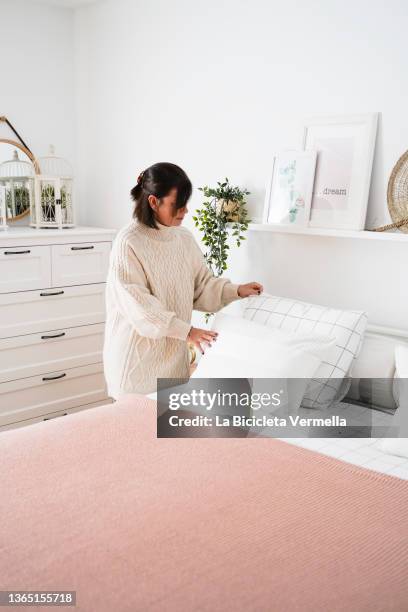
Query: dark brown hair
x=158, y=180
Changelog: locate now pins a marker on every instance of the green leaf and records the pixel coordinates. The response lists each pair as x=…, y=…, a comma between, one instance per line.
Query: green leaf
x=215, y=228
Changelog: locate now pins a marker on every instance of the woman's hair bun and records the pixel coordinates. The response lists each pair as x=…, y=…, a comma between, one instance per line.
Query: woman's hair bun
x=136, y=192
x=158, y=180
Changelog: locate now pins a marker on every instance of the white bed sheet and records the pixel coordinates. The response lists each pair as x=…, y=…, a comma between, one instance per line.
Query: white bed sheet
x=360, y=451
x=365, y=452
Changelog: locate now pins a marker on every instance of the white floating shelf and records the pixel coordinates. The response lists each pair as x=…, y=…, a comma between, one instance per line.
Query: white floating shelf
x=314, y=231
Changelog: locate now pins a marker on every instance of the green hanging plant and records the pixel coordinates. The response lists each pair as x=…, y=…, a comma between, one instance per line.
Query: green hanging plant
x=224, y=208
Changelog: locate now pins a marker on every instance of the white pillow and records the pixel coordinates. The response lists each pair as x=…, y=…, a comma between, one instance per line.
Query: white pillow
x=240, y=331
x=346, y=326
x=401, y=360
x=235, y=308
x=246, y=350
x=395, y=446
x=400, y=382
x=399, y=446
x=373, y=371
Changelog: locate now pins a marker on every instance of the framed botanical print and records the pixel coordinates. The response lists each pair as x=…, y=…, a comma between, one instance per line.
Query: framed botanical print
x=345, y=150
x=289, y=191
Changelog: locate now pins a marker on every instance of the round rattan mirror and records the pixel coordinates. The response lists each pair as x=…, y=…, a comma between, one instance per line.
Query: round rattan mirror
x=397, y=193
x=17, y=164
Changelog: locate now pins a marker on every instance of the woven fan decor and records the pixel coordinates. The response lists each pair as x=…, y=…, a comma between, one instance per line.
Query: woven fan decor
x=397, y=196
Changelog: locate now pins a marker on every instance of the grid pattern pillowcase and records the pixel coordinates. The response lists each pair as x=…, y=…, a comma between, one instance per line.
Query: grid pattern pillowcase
x=346, y=326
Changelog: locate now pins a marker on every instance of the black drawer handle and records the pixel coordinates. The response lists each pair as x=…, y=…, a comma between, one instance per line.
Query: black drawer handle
x=55, y=417
x=82, y=248
x=54, y=377
x=16, y=252
x=53, y=293
x=53, y=336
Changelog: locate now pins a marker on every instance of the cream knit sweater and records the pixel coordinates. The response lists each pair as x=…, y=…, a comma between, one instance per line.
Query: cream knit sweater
x=156, y=278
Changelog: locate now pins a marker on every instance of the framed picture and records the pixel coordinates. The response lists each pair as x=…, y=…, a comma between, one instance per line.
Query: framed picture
x=290, y=188
x=345, y=150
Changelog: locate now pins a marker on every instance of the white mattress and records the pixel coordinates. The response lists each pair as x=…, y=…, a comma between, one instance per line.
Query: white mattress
x=360, y=451
x=365, y=452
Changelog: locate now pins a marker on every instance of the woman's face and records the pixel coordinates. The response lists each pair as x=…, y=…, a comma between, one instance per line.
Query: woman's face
x=165, y=209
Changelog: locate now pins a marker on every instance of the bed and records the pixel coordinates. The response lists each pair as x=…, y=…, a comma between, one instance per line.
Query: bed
x=96, y=503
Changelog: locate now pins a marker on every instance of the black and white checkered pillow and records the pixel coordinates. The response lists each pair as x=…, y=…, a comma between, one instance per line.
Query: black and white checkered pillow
x=346, y=326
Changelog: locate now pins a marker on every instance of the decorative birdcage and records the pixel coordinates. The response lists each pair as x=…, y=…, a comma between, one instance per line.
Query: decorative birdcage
x=52, y=204
x=17, y=178
x=3, y=214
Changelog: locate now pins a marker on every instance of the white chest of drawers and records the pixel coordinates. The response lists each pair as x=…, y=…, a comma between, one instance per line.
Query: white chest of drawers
x=52, y=313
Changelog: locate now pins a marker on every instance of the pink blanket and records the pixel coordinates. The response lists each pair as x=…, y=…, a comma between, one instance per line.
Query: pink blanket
x=94, y=502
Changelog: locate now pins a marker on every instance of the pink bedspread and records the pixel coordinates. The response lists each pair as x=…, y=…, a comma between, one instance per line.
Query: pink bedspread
x=94, y=502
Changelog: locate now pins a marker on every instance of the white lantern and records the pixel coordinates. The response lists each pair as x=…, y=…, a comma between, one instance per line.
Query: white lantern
x=52, y=204
x=3, y=213
x=17, y=178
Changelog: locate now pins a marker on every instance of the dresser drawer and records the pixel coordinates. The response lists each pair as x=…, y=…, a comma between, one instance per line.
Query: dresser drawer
x=51, y=309
x=77, y=264
x=34, y=354
x=23, y=268
x=55, y=415
x=39, y=395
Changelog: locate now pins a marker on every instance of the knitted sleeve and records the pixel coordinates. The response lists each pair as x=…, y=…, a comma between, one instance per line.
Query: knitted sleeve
x=210, y=293
x=143, y=310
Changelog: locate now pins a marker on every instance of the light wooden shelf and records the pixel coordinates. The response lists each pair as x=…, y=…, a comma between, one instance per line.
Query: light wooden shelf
x=314, y=231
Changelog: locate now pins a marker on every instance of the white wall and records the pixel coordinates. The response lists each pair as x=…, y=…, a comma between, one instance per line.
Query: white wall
x=217, y=86
x=37, y=75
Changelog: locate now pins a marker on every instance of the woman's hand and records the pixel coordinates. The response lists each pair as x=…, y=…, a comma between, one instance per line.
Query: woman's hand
x=249, y=289
x=196, y=336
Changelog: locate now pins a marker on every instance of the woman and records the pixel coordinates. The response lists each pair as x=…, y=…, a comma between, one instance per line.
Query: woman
x=157, y=276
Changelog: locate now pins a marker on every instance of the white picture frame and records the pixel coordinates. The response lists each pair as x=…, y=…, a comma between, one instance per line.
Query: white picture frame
x=290, y=187
x=345, y=147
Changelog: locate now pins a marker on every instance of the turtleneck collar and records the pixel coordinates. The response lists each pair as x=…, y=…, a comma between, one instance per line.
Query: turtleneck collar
x=163, y=233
